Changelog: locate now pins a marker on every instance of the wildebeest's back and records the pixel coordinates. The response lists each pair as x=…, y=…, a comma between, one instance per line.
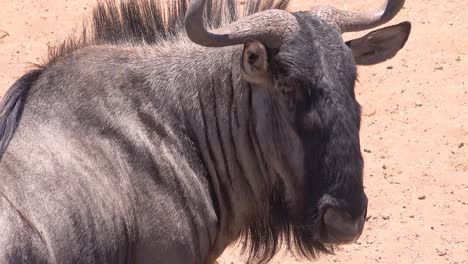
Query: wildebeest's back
x=98, y=174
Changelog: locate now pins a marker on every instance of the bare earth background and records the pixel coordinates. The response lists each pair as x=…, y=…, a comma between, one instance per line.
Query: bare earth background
x=414, y=132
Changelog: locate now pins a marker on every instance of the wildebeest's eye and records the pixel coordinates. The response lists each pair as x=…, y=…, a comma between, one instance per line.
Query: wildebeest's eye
x=311, y=121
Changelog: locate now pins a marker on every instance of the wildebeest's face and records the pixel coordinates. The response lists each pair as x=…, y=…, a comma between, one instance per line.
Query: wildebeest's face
x=311, y=79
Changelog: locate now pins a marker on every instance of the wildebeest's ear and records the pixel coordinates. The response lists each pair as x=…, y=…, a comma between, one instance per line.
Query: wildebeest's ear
x=254, y=63
x=380, y=45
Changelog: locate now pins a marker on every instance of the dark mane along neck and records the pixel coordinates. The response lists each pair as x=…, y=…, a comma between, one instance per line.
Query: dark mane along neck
x=11, y=107
x=149, y=22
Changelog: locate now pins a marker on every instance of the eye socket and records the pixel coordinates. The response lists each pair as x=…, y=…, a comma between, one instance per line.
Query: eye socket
x=309, y=116
x=311, y=121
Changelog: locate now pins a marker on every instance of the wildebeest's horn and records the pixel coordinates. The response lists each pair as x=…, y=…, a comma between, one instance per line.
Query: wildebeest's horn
x=271, y=27
x=346, y=21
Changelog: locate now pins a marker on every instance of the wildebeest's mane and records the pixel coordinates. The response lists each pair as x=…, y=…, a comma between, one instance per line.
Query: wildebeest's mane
x=150, y=22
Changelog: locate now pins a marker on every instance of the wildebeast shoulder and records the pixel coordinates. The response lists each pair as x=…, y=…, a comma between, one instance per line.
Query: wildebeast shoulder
x=166, y=132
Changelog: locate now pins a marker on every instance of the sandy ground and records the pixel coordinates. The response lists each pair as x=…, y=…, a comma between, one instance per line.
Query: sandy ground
x=414, y=132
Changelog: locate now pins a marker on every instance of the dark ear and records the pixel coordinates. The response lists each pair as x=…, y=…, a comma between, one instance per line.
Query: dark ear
x=380, y=45
x=254, y=63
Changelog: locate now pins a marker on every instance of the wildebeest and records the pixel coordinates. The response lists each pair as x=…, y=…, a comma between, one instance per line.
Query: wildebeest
x=165, y=132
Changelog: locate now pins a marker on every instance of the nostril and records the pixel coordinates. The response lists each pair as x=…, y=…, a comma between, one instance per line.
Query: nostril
x=340, y=227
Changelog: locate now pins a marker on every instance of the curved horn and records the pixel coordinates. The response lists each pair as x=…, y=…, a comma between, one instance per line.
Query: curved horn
x=271, y=27
x=346, y=21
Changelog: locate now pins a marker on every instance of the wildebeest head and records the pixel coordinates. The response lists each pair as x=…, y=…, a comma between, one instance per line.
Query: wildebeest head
x=303, y=74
